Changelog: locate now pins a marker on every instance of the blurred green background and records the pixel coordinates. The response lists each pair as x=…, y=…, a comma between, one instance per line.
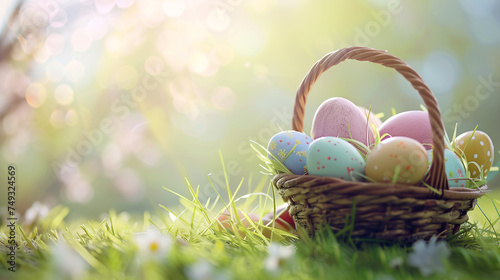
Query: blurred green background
x=104, y=102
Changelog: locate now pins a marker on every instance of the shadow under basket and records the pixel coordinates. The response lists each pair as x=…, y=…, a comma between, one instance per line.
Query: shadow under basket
x=396, y=212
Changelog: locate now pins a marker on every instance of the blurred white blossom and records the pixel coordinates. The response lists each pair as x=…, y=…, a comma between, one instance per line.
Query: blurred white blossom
x=429, y=257
x=385, y=277
x=36, y=212
x=204, y=270
x=153, y=245
x=396, y=262
x=278, y=255
x=68, y=263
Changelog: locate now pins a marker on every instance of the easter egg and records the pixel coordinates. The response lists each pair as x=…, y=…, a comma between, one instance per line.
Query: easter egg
x=335, y=157
x=411, y=124
x=283, y=221
x=403, y=153
x=370, y=116
x=454, y=168
x=339, y=117
x=226, y=221
x=290, y=148
x=477, y=149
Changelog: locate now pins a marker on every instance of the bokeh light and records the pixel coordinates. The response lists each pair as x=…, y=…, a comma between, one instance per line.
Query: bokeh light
x=71, y=117
x=111, y=159
x=124, y=4
x=96, y=28
x=80, y=41
x=57, y=118
x=79, y=191
x=441, y=71
x=223, y=98
x=58, y=18
x=129, y=184
x=42, y=54
x=198, y=63
x=152, y=13
x=36, y=95
x=63, y=94
x=113, y=44
x=218, y=21
x=174, y=8
x=249, y=40
x=55, y=43
x=104, y=6
x=74, y=71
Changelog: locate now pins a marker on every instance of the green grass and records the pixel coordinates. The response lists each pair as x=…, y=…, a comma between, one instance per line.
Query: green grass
x=110, y=248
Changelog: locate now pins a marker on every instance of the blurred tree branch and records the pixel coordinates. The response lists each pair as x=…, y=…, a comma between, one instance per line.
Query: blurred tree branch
x=7, y=43
x=11, y=37
x=7, y=37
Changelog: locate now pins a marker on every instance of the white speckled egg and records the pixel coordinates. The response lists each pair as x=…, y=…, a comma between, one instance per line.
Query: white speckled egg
x=453, y=167
x=403, y=153
x=290, y=148
x=335, y=157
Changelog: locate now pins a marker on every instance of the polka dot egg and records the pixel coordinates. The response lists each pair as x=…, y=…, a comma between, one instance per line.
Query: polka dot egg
x=477, y=148
x=335, y=157
x=453, y=167
x=290, y=148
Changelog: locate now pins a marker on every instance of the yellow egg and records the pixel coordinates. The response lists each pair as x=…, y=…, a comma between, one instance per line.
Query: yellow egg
x=477, y=149
x=403, y=153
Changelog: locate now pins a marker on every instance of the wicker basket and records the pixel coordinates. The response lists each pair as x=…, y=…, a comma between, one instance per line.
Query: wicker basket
x=383, y=211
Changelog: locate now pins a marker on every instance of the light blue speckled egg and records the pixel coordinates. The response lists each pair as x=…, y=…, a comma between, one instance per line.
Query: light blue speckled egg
x=454, y=168
x=290, y=148
x=335, y=157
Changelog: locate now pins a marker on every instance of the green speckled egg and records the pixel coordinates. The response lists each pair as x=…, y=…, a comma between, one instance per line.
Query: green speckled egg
x=454, y=168
x=335, y=157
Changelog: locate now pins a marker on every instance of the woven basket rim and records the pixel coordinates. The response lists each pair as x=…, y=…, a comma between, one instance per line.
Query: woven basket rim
x=318, y=184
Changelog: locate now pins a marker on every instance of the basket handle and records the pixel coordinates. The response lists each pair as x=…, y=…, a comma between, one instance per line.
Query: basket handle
x=436, y=176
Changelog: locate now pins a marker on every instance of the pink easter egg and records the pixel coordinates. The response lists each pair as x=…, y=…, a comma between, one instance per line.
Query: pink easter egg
x=372, y=119
x=411, y=124
x=339, y=117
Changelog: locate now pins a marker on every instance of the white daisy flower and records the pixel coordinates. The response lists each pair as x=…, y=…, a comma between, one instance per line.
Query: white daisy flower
x=153, y=245
x=67, y=262
x=429, y=258
x=36, y=212
x=278, y=255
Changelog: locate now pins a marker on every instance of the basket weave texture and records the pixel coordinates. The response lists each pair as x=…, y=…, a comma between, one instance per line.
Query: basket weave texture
x=384, y=211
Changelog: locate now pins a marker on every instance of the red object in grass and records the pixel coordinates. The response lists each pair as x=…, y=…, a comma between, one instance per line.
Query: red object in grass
x=225, y=218
x=284, y=221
